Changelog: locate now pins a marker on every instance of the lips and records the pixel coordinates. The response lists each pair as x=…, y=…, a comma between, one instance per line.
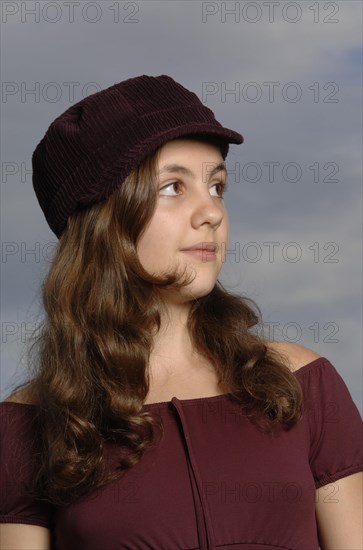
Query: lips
x=203, y=246
x=205, y=251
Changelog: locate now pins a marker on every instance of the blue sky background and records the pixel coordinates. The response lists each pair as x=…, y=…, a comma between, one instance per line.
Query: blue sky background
x=315, y=300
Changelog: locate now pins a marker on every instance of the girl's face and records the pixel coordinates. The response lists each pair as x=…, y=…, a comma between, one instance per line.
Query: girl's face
x=189, y=211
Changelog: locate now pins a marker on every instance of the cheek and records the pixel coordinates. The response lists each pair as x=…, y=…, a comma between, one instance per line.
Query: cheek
x=225, y=228
x=145, y=247
x=224, y=238
x=155, y=241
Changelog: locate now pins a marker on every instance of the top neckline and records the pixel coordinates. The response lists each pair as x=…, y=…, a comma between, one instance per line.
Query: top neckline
x=221, y=396
x=192, y=400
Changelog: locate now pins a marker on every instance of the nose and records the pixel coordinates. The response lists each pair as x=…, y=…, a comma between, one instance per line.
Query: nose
x=207, y=209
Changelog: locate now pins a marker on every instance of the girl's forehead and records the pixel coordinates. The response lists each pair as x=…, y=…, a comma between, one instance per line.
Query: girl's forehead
x=184, y=147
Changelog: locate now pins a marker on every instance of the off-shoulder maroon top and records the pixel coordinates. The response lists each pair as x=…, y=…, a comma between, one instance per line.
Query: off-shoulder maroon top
x=213, y=481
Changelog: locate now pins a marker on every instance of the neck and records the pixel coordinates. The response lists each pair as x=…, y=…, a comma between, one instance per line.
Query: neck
x=174, y=364
x=173, y=337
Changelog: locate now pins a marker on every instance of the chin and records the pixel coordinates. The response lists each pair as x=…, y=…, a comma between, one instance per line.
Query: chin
x=197, y=291
x=202, y=285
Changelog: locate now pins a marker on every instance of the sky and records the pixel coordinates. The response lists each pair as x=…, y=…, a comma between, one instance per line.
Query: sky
x=286, y=75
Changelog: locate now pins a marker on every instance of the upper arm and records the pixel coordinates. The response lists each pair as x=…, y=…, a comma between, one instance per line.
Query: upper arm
x=24, y=537
x=339, y=513
x=339, y=510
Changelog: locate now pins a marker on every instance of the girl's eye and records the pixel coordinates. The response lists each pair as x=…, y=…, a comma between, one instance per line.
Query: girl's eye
x=169, y=188
x=220, y=188
x=172, y=189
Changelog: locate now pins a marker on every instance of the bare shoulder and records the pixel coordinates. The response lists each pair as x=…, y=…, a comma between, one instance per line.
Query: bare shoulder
x=297, y=356
x=24, y=396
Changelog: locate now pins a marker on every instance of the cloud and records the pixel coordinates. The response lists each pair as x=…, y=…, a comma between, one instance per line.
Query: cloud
x=315, y=132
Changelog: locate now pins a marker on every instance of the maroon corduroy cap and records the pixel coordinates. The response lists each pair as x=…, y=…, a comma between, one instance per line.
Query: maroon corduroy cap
x=88, y=151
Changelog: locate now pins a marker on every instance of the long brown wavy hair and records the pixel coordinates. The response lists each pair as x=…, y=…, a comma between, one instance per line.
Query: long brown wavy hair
x=89, y=361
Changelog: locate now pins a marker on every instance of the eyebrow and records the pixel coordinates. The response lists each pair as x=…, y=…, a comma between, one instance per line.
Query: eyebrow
x=187, y=172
